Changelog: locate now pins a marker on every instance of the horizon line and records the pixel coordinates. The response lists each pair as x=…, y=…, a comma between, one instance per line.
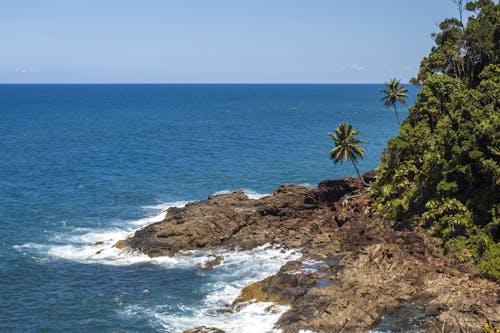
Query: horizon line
x=188, y=83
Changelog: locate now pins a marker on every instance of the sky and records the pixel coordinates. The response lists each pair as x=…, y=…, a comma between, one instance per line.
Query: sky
x=216, y=41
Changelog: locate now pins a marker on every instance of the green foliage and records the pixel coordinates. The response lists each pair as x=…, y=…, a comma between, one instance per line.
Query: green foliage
x=490, y=261
x=478, y=249
x=442, y=172
x=347, y=146
x=463, y=52
x=394, y=93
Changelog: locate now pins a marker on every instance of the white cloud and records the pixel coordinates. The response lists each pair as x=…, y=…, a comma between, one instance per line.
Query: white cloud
x=355, y=67
x=23, y=70
x=359, y=68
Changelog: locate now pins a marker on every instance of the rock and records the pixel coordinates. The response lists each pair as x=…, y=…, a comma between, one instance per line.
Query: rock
x=271, y=309
x=369, y=176
x=365, y=267
x=233, y=221
x=121, y=244
x=330, y=191
x=212, y=263
x=254, y=292
x=204, y=329
x=99, y=243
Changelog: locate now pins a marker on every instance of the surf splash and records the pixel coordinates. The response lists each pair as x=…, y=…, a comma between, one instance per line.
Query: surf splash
x=238, y=269
x=96, y=246
x=221, y=285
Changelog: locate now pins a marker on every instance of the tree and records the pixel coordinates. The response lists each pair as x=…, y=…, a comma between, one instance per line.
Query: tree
x=347, y=146
x=464, y=51
x=393, y=94
x=442, y=171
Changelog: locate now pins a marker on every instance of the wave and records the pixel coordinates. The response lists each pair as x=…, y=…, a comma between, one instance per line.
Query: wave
x=165, y=205
x=237, y=270
x=223, y=284
x=251, y=194
x=92, y=246
x=96, y=245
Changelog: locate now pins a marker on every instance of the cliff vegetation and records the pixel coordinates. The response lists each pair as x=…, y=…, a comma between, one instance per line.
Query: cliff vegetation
x=442, y=171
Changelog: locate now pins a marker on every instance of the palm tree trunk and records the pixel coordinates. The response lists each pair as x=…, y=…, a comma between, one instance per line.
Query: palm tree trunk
x=359, y=175
x=396, y=112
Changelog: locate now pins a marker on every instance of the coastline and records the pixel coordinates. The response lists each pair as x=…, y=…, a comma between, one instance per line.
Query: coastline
x=355, y=267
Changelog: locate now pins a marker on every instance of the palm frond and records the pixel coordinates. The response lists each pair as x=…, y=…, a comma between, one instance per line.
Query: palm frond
x=394, y=93
x=347, y=146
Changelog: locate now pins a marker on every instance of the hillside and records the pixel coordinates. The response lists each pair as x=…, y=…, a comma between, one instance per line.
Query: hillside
x=442, y=171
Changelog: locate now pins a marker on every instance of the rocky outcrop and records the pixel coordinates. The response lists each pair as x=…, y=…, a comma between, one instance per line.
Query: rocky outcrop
x=234, y=221
x=330, y=191
x=356, y=266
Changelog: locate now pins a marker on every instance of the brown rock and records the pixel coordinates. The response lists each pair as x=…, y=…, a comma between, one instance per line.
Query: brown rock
x=330, y=191
x=233, y=221
x=364, y=267
x=369, y=176
x=254, y=292
x=204, y=329
x=212, y=263
x=121, y=244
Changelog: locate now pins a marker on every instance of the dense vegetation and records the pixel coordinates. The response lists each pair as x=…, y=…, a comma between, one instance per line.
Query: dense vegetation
x=442, y=171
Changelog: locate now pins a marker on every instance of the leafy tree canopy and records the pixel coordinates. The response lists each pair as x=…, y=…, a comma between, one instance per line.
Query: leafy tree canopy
x=442, y=172
x=464, y=51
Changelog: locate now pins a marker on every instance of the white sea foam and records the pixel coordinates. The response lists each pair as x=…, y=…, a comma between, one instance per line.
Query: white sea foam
x=254, y=195
x=251, y=194
x=222, y=192
x=237, y=270
x=165, y=205
x=96, y=245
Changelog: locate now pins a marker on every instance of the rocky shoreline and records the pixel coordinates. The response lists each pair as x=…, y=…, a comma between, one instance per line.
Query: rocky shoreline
x=356, y=269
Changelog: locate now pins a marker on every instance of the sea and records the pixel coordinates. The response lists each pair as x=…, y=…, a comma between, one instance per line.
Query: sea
x=83, y=166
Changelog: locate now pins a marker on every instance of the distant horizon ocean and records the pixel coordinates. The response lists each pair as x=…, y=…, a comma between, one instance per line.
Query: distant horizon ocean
x=407, y=84
x=85, y=165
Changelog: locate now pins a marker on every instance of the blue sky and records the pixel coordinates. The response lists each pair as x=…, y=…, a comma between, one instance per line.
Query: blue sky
x=215, y=41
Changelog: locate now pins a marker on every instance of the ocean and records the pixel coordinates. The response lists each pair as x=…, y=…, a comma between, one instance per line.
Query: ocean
x=82, y=166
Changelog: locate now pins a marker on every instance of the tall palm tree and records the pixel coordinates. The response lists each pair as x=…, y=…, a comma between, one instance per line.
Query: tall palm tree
x=394, y=93
x=346, y=146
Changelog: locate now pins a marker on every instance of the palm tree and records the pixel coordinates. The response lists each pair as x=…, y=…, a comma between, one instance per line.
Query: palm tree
x=347, y=146
x=394, y=93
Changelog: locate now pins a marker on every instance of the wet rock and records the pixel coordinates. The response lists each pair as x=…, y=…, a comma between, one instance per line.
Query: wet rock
x=334, y=261
x=121, y=244
x=255, y=292
x=322, y=283
x=410, y=317
x=271, y=309
x=212, y=263
x=357, y=267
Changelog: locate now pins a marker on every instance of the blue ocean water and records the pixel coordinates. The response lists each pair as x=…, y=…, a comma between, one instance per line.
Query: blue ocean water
x=81, y=164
